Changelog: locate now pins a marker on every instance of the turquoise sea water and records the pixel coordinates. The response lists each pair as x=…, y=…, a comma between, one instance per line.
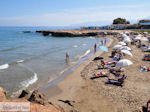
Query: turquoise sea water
x=30, y=59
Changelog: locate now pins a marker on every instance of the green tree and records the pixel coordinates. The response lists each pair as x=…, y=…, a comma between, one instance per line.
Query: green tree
x=144, y=20
x=120, y=21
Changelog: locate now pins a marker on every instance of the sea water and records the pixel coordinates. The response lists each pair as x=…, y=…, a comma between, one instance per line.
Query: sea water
x=30, y=59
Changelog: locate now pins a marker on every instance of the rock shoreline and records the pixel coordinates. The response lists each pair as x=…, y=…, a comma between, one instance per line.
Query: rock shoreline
x=37, y=101
x=77, y=33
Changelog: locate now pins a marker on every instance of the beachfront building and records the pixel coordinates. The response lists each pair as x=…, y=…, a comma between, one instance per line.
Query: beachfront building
x=108, y=27
x=145, y=25
x=118, y=26
x=90, y=28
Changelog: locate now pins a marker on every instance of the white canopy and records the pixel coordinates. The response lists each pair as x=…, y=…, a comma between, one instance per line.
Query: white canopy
x=123, y=62
x=117, y=46
x=121, y=43
x=125, y=48
x=127, y=52
x=127, y=40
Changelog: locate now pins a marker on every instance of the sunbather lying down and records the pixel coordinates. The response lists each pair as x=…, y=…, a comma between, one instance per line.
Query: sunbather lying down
x=144, y=69
x=114, y=70
x=106, y=74
x=116, y=81
x=106, y=65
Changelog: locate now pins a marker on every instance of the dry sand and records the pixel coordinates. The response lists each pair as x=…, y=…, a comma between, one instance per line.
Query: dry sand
x=95, y=96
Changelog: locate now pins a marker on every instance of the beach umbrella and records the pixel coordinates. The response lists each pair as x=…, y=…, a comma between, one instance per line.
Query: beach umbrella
x=127, y=40
x=104, y=48
x=126, y=32
x=117, y=46
x=125, y=48
x=121, y=43
x=127, y=52
x=138, y=37
x=126, y=37
x=141, y=38
x=145, y=32
x=123, y=62
x=144, y=39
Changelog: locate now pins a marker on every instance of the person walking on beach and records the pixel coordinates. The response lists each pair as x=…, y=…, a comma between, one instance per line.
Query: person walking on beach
x=67, y=58
x=95, y=46
x=105, y=41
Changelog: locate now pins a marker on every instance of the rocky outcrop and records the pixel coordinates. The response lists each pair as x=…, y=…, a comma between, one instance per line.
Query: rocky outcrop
x=24, y=94
x=37, y=97
x=2, y=94
x=36, y=100
x=77, y=33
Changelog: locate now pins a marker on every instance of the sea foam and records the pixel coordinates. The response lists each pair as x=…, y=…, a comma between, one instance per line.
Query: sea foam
x=29, y=81
x=5, y=66
x=86, y=53
x=20, y=61
x=75, y=46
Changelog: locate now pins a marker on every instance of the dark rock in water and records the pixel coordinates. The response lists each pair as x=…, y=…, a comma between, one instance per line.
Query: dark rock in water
x=24, y=93
x=37, y=97
x=26, y=31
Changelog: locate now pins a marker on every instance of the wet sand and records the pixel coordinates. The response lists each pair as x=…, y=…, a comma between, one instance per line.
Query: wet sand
x=95, y=96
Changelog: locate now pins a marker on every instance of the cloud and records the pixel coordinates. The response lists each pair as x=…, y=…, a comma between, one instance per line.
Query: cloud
x=76, y=16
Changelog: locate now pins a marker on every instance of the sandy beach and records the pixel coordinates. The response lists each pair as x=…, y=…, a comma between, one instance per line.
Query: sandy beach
x=88, y=95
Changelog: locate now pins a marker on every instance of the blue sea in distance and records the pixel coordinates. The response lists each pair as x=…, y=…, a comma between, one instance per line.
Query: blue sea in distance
x=31, y=60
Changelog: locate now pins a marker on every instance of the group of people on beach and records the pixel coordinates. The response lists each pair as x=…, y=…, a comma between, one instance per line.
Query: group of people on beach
x=103, y=43
x=116, y=56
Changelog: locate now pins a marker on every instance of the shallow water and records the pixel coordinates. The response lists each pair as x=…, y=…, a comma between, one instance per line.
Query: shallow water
x=31, y=59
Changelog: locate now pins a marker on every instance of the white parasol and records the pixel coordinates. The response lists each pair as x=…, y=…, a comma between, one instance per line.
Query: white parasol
x=125, y=48
x=123, y=62
x=117, y=46
x=127, y=52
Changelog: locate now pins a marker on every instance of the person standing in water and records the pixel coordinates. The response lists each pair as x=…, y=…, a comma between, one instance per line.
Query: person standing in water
x=67, y=58
x=105, y=41
x=95, y=46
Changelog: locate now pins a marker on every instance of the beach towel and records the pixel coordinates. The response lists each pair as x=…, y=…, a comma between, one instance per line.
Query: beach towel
x=143, y=70
x=111, y=81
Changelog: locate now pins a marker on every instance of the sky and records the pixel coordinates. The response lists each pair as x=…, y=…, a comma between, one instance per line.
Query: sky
x=70, y=12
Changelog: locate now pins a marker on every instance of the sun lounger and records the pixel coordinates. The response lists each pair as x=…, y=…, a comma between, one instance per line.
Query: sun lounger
x=116, y=82
x=103, y=67
x=101, y=74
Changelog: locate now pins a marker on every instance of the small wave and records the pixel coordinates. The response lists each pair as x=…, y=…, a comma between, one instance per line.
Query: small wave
x=20, y=61
x=16, y=62
x=75, y=46
x=29, y=81
x=11, y=49
x=86, y=53
x=90, y=37
x=84, y=44
x=5, y=66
